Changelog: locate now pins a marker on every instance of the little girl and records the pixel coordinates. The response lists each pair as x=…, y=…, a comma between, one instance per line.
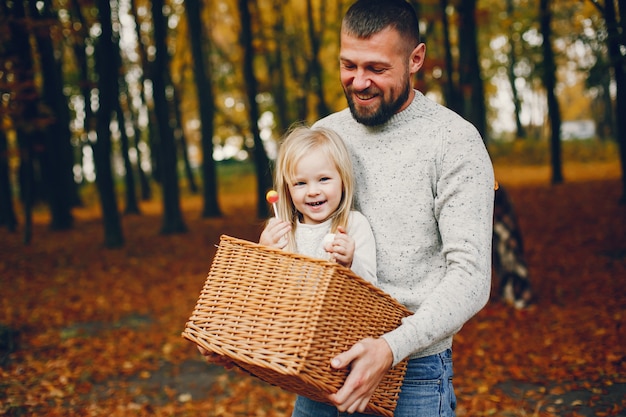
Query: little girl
x=315, y=185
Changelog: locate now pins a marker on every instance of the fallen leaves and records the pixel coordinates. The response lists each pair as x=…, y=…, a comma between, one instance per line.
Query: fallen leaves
x=98, y=331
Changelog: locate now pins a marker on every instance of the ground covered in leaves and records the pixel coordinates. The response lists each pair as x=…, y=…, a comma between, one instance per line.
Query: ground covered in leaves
x=86, y=331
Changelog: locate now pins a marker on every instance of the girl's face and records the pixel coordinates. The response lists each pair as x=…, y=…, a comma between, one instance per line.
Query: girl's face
x=316, y=187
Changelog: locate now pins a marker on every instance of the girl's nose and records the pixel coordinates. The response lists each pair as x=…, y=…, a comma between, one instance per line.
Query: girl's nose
x=313, y=189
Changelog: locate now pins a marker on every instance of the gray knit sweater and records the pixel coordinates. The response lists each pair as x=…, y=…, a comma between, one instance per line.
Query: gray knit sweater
x=425, y=182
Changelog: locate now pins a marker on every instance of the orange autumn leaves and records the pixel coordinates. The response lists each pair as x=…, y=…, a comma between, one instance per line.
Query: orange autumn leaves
x=95, y=329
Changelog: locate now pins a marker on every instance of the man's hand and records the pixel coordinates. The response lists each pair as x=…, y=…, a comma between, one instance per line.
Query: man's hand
x=369, y=361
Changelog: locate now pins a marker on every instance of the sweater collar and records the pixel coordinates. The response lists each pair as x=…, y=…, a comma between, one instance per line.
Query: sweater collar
x=407, y=115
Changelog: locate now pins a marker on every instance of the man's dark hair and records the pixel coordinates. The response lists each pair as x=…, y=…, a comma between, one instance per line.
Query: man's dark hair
x=368, y=17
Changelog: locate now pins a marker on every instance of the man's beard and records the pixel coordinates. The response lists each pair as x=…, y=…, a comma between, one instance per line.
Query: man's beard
x=382, y=114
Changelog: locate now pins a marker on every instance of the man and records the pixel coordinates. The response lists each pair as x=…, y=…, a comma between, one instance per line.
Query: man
x=425, y=183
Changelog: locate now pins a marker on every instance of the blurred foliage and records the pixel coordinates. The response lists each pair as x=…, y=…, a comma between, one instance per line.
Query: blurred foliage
x=534, y=152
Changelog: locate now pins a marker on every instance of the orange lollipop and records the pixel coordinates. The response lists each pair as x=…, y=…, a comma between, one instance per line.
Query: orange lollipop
x=272, y=198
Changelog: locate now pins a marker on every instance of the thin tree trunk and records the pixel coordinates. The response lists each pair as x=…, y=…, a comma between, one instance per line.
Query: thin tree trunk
x=85, y=81
x=144, y=183
x=206, y=103
x=469, y=68
x=172, y=214
x=7, y=213
x=315, y=75
x=520, y=132
x=27, y=182
x=57, y=156
x=153, y=134
x=24, y=71
x=549, y=81
x=450, y=87
x=181, y=141
x=107, y=87
x=264, y=178
x=618, y=62
x=132, y=206
x=131, y=114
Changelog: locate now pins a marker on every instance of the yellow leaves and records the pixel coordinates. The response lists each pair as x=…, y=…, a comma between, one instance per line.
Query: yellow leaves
x=53, y=389
x=184, y=397
x=167, y=350
x=99, y=333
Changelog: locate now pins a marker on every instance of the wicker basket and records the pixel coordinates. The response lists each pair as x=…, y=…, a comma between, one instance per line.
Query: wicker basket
x=283, y=316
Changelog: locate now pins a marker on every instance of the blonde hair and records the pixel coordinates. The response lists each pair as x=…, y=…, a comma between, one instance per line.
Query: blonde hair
x=299, y=141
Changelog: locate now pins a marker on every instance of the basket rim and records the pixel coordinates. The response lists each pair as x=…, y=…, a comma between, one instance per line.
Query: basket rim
x=322, y=262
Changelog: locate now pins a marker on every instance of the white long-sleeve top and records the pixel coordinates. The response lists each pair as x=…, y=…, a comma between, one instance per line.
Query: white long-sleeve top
x=309, y=241
x=425, y=183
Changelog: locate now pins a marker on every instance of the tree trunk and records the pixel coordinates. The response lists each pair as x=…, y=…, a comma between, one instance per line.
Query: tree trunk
x=144, y=183
x=7, y=213
x=27, y=181
x=153, y=134
x=520, y=132
x=206, y=103
x=549, y=82
x=276, y=69
x=264, y=177
x=181, y=141
x=26, y=122
x=469, y=68
x=58, y=161
x=132, y=206
x=106, y=65
x=450, y=87
x=172, y=215
x=315, y=75
x=85, y=81
x=618, y=63
x=300, y=100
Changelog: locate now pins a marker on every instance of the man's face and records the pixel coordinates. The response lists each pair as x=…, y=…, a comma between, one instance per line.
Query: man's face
x=376, y=75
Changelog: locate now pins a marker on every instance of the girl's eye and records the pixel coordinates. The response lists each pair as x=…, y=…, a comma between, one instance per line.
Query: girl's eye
x=324, y=179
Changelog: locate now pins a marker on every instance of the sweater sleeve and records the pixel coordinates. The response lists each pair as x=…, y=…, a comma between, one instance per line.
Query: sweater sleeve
x=463, y=210
x=364, y=262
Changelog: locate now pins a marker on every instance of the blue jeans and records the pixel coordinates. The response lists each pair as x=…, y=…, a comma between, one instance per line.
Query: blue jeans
x=427, y=391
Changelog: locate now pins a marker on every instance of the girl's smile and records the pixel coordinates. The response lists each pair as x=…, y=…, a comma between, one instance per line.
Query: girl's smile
x=316, y=188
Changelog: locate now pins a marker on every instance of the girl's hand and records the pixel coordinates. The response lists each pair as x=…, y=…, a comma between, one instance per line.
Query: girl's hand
x=275, y=233
x=341, y=248
x=215, y=358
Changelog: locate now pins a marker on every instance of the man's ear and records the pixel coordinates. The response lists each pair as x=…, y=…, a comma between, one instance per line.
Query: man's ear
x=417, y=58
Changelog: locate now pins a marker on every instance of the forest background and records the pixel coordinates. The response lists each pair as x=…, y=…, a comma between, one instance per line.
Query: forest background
x=109, y=108
x=140, y=92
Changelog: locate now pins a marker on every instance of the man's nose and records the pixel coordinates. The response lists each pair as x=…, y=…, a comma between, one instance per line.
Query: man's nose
x=361, y=80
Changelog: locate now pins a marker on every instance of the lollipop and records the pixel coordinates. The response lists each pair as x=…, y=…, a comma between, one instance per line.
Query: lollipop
x=272, y=198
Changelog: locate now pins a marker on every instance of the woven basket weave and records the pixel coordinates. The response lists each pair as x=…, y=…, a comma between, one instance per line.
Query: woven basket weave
x=283, y=316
